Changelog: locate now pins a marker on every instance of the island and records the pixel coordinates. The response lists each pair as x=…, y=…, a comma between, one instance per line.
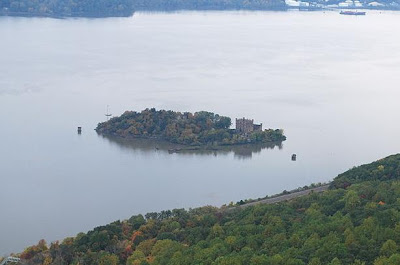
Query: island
x=194, y=129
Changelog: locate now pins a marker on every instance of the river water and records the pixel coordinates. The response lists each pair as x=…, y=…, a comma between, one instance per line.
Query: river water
x=330, y=81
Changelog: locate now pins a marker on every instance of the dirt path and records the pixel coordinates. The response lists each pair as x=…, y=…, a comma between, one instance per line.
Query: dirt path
x=287, y=197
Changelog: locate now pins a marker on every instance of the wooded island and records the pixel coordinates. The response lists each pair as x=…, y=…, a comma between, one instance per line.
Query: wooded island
x=195, y=129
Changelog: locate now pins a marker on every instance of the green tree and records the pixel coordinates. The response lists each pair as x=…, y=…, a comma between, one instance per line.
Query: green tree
x=108, y=259
x=389, y=248
x=136, y=258
x=335, y=261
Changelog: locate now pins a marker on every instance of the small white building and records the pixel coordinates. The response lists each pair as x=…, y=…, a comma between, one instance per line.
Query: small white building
x=357, y=3
x=294, y=3
x=375, y=4
x=351, y=3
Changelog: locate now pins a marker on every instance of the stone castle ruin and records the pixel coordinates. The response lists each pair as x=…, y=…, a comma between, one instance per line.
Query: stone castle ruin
x=246, y=126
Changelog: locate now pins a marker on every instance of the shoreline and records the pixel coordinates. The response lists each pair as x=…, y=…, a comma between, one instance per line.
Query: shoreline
x=183, y=147
x=96, y=16
x=59, y=16
x=291, y=195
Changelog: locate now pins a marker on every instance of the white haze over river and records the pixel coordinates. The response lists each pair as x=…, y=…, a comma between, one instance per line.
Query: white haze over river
x=330, y=81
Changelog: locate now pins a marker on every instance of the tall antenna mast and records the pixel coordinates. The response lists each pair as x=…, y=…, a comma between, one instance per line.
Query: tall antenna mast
x=108, y=115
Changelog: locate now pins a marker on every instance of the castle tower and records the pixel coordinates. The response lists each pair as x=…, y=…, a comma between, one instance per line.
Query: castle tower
x=244, y=126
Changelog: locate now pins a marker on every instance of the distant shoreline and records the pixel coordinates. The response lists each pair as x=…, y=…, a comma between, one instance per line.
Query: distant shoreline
x=57, y=16
x=162, y=144
x=284, y=9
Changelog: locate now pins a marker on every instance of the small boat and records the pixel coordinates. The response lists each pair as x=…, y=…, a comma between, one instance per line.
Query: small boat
x=353, y=13
x=294, y=157
x=108, y=115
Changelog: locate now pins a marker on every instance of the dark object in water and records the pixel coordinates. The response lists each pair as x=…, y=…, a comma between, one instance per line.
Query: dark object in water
x=171, y=151
x=294, y=157
x=353, y=13
x=79, y=130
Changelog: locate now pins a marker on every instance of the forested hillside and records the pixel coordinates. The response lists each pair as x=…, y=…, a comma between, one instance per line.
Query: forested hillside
x=359, y=224
x=384, y=169
x=171, y=5
x=117, y=8
x=64, y=8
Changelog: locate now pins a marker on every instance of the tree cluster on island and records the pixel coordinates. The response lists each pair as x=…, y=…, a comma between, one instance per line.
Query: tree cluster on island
x=196, y=129
x=356, y=222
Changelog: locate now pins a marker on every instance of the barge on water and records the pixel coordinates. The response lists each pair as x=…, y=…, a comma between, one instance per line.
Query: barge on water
x=353, y=13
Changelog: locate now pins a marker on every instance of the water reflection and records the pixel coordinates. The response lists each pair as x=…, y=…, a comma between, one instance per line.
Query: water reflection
x=147, y=146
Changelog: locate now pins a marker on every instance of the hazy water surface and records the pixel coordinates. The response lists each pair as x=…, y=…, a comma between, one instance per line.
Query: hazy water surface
x=330, y=81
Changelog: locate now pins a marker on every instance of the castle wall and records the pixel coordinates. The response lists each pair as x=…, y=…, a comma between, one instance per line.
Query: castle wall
x=245, y=126
x=257, y=127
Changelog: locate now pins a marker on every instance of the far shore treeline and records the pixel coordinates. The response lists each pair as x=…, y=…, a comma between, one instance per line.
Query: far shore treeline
x=70, y=8
x=125, y=8
x=196, y=129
